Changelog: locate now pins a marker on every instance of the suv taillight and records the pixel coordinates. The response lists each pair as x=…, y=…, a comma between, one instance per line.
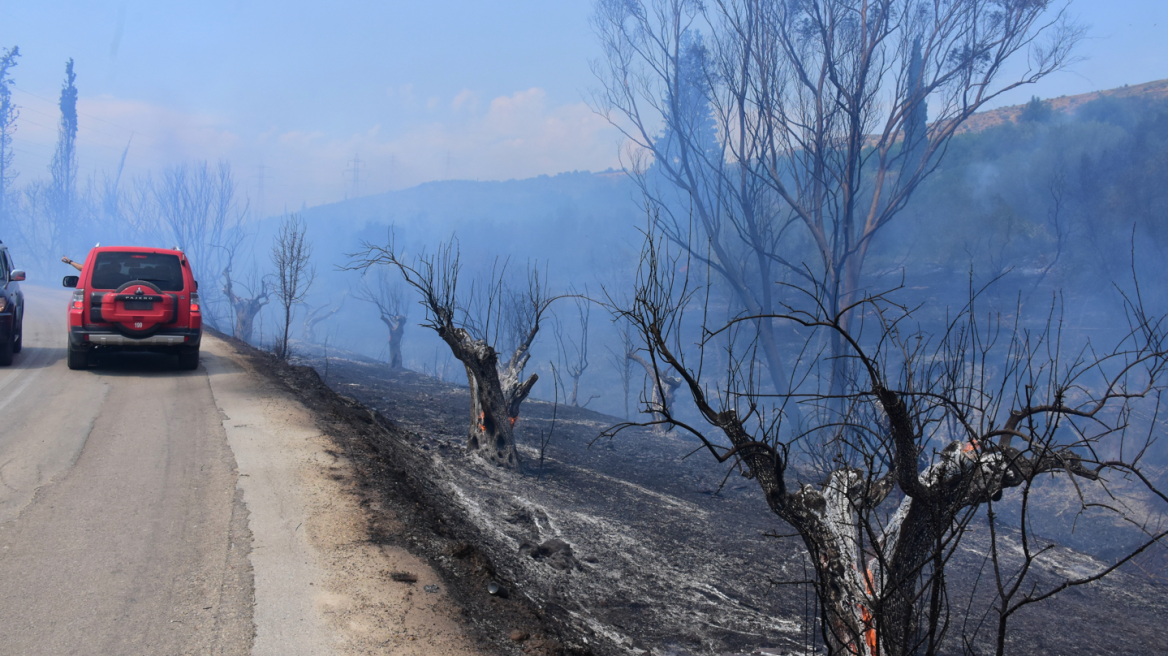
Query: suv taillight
x=194, y=301
x=78, y=301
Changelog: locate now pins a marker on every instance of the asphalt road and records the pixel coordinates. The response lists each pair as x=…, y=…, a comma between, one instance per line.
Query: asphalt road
x=121, y=528
x=147, y=510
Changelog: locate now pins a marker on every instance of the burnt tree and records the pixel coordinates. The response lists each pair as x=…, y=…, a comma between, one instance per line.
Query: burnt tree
x=786, y=136
x=386, y=296
x=317, y=316
x=475, y=326
x=201, y=209
x=294, y=272
x=246, y=299
x=574, y=354
x=621, y=361
x=662, y=388
x=959, y=421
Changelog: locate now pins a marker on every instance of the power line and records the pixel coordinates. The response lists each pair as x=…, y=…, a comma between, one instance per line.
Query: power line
x=85, y=139
x=143, y=161
x=87, y=128
x=47, y=150
x=101, y=120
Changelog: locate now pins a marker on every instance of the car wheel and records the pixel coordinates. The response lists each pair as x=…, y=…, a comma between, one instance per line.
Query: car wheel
x=78, y=359
x=19, y=338
x=6, y=350
x=188, y=360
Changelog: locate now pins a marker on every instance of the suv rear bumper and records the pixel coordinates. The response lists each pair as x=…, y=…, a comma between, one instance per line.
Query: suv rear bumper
x=162, y=340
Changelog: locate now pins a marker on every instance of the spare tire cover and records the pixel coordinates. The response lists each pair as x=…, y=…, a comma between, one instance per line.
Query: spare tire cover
x=133, y=323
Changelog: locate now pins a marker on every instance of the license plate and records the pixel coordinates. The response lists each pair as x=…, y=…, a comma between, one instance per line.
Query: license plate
x=139, y=305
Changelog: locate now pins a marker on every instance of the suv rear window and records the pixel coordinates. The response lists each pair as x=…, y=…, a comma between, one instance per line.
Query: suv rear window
x=112, y=270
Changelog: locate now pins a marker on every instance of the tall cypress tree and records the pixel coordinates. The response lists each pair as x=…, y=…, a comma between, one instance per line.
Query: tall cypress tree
x=687, y=101
x=916, y=138
x=64, y=165
x=8, y=115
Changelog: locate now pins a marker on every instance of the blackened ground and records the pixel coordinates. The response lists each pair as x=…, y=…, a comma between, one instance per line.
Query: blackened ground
x=628, y=546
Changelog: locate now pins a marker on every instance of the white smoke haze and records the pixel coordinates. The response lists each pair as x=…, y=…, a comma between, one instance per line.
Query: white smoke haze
x=481, y=126
x=521, y=135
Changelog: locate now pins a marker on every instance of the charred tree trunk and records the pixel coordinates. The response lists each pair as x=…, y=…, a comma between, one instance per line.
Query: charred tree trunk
x=514, y=316
x=245, y=314
x=495, y=397
x=880, y=582
x=870, y=576
x=574, y=397
x=664, y=389
x=387, y=297
x=317, y=316
x=397, y=327
x=245, y=307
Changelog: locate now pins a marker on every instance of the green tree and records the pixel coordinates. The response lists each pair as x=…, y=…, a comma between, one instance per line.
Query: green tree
x=1036, y=111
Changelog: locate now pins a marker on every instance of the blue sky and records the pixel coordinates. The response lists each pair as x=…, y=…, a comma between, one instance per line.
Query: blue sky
x=420, y=91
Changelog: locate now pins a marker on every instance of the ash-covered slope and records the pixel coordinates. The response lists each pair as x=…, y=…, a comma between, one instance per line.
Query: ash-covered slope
x=628, y=548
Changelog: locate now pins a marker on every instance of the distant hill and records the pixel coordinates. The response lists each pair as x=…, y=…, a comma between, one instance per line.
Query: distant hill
x=579, y=228
x=1157, y=90
x=1036, y=205
x=575, y=222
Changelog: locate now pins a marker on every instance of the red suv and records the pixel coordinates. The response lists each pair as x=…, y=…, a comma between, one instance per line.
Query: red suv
x=134, y=299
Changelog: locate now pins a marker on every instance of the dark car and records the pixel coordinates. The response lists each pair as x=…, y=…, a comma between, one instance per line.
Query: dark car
x=11, y=308
x=130, y=298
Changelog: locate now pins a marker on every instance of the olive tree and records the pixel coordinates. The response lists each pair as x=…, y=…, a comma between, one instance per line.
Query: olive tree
x=477, y=324
x=943, y=418
x=318, y=315
x=386, y=295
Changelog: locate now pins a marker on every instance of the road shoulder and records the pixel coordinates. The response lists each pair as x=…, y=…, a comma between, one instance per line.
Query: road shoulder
x=321, y=585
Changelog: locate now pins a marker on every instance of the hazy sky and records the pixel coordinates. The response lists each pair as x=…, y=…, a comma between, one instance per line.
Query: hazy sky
x=419, y=91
